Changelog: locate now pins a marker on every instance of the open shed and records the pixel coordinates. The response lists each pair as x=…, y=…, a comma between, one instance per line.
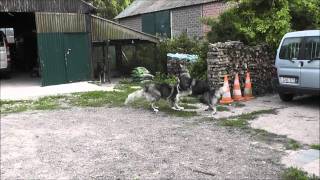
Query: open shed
x=58, y=36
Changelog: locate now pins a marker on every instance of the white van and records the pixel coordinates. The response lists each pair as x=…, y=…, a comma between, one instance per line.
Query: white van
x=4, y=55
x=298, y=64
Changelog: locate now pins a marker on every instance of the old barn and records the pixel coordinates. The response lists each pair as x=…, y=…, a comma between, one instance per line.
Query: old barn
x=64, y=39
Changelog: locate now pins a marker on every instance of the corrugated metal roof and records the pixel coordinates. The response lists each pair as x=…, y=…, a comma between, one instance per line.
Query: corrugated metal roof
x=60, y=22
x=103, y=29
x=63, y=6
x=147, y=6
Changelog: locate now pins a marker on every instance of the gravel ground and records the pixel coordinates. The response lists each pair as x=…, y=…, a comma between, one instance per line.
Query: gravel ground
x=125, y=143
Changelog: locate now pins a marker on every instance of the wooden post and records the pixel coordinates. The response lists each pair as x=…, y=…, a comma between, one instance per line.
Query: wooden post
x=104, y=62
x=118, y=56
x=108, y=62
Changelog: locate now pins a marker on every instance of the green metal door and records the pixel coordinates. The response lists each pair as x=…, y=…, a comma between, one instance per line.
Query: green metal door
x=64, y=57
x=77, y=56
x=51, y=57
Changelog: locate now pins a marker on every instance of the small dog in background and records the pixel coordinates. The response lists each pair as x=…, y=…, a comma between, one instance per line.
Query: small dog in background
x=185, y=86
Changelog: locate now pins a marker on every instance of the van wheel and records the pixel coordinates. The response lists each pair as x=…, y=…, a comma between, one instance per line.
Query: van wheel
x=286, y=97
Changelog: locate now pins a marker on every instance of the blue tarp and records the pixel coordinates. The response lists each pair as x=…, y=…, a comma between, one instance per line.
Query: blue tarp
x=183, y=57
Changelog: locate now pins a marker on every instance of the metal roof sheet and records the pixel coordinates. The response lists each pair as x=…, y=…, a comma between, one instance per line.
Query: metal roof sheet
x=103, y=29
x=147, y=6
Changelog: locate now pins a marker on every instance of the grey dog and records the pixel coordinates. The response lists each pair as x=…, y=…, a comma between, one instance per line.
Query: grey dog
x=185, y=86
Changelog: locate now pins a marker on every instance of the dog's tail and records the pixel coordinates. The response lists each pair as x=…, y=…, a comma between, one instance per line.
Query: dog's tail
x=134, y=96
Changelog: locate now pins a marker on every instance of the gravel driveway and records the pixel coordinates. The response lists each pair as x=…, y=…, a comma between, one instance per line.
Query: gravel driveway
x=125, y=143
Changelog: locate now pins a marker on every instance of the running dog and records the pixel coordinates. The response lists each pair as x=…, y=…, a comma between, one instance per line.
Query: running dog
x=185, y=86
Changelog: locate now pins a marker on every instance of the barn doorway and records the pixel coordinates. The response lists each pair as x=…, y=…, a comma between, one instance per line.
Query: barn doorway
x=20, y=29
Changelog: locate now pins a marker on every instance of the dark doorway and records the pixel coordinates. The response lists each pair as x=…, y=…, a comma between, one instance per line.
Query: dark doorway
x=24, y=51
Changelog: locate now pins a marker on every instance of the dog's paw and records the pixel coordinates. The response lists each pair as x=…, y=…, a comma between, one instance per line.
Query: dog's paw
x=156, y=110
x=176, y=109
x=181, y=108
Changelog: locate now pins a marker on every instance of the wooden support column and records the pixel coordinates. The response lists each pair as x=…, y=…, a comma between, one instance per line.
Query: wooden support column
x=108, y=59
x=118, y=56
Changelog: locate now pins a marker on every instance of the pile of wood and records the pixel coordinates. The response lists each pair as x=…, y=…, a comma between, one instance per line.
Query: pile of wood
x=173, y=66
x=234, y=57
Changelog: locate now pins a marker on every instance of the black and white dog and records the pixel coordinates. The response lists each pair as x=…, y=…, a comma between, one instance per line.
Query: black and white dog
x=185, y=86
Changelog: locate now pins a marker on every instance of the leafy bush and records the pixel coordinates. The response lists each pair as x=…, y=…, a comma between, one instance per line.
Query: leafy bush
x=261, y=21
x=163, y=78
x=183, y=44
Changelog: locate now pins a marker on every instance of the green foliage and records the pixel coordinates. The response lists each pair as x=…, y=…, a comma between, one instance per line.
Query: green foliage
x=262, y=21
x=163, y=78
x=305, y=14
x=110, y=8
x=252, y=22
x=315, y=146
x=292, y=144
x=185, y=45
x=296, y=174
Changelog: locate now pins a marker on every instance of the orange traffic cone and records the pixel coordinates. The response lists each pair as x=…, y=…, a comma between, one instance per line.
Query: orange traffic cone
x=237, y=95
x=226, y=98
x=248, y=88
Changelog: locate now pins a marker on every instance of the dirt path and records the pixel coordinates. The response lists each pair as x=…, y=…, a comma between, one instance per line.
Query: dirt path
x=105, y=143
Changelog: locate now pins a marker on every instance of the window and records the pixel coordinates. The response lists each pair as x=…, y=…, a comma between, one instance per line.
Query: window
x=312, y=48
x=290, y=48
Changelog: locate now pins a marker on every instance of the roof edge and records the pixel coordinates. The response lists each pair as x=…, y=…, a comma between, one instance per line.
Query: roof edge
x=112, y=22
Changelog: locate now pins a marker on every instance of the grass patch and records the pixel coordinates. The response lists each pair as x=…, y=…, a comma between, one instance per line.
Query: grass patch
x=47, y=103
x=165, y=107
x=222, y=108
x=241, y=121
x=188, y=106
x=315, y=146
x=296, y=174
x=238, y=104
x=292, y=144
x=14, y=106
x=190, y=100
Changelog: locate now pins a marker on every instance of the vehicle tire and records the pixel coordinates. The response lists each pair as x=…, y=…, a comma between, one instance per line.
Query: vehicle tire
x=286, y=97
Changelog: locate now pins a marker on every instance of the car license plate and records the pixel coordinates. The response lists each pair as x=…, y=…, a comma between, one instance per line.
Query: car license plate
x=289, y=80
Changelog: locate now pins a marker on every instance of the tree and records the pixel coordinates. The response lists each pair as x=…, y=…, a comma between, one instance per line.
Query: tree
x=110, y=8
x=264, y=21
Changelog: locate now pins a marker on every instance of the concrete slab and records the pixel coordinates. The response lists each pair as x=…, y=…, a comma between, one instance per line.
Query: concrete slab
x=299, y=120
x=307, y=160
x=25, y=88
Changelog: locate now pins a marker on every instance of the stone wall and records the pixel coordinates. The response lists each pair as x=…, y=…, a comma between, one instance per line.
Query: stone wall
x=234, y=57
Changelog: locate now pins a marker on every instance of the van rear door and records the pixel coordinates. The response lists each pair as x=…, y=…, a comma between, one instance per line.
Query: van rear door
x=310, y=68
x=288, y=62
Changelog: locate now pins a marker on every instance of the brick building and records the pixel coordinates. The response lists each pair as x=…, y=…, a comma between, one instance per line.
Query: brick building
x=169, y=18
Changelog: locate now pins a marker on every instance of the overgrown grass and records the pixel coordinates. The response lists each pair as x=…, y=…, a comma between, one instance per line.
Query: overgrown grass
x=165, y=107
x=188, y=106
x=241, y=121
x=315, y=146
x=292, y=144
x=14, y=106
x=114, y=98
x=297, y=174
x=222, y=108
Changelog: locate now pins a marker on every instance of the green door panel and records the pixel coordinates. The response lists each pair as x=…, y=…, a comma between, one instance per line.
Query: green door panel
x=162, y=20
x=58, y=67
x=148, y=23
x=77, y=56
x=51, y=56
x=157, y=23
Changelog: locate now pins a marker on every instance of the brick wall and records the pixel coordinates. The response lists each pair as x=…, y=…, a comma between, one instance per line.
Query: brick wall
x=133, y=22
x=187, y=19
x=212, y=10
